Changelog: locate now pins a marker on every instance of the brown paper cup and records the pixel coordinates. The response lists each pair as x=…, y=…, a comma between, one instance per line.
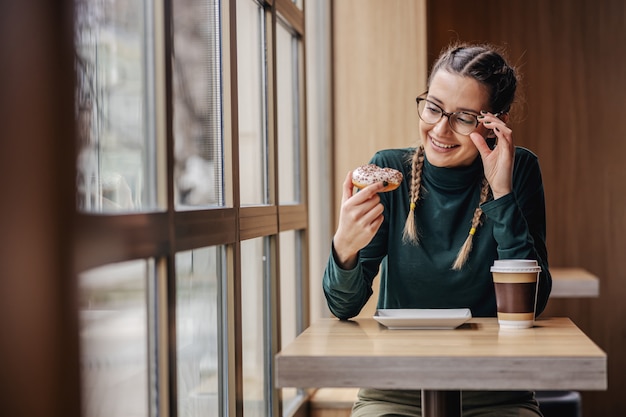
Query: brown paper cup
x=515, y=282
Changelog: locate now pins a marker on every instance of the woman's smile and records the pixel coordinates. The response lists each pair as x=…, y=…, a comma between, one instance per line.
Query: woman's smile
x=440, y=145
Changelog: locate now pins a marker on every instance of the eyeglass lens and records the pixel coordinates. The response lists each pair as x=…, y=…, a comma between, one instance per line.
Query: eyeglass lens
x=461, y=122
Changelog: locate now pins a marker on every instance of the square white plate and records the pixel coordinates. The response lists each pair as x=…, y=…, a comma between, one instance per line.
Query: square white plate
x=420, y=318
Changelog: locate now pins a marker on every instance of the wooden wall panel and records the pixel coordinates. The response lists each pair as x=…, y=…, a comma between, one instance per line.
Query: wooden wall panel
x=379, y=67
x=39, y=328
x=570, y=53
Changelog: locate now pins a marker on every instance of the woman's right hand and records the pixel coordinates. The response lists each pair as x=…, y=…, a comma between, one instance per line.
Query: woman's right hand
x=359, y=219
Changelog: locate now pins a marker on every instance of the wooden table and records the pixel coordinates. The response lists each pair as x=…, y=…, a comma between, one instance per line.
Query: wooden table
x=553, y=355
x=574, y=283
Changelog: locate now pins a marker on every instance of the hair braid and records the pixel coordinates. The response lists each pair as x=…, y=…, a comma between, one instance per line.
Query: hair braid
x=465, y=250
x=410, y=234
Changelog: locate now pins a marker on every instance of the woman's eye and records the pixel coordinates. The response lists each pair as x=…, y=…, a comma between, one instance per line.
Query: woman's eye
x=433, y=110
x=466, y=119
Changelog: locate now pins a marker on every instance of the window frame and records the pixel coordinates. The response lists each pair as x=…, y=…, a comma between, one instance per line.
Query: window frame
x=116, y=237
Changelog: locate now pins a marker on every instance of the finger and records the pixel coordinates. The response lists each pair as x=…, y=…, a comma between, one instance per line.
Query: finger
x=370, y=191
x=504, y=132
x=369, y=220
x=363, y=210
x=375, y=224
x=495, y=123
x=480, y=143
x=347, y=187
x=377, y=187
x=503, y=136
x=371, y=211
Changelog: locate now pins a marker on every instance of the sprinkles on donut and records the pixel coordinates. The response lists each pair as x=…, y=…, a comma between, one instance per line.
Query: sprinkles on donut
x=371, y=174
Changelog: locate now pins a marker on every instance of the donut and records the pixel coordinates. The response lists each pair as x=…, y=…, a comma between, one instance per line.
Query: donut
x=370, y=174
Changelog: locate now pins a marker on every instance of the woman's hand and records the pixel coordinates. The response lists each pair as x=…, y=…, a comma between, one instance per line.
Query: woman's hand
x=359, y=219
x=497, y=163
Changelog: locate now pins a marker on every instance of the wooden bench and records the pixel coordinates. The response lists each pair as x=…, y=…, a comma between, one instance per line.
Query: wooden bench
x=574, y=283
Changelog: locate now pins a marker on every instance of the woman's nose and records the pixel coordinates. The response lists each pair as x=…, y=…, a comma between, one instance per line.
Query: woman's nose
x=442, y=126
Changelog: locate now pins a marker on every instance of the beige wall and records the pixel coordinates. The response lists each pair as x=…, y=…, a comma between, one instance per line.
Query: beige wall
x=379, y=67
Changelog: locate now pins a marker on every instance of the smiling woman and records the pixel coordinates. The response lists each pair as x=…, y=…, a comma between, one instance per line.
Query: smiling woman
x=466, y=207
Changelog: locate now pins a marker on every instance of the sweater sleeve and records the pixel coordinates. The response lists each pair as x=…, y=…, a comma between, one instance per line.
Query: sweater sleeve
x=346, y=291
x=519, y=221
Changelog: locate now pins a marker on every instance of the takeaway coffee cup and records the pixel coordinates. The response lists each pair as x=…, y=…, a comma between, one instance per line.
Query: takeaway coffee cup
x=515, y=281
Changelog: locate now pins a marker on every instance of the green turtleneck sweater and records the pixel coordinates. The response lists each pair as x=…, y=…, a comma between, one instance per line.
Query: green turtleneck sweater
x=514, y=227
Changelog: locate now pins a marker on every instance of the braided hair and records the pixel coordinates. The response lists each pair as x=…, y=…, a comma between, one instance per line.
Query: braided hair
x=486, y=65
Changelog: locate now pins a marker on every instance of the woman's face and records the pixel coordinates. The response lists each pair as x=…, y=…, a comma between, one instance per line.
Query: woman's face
x=443, y=146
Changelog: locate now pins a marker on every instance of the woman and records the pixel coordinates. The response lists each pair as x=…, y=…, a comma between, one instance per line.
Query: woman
x=469, y=197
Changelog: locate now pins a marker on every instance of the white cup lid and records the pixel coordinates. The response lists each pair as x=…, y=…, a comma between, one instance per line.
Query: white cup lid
x=515, y=265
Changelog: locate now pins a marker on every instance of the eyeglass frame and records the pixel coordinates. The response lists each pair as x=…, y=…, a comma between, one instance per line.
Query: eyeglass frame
x=422, y=97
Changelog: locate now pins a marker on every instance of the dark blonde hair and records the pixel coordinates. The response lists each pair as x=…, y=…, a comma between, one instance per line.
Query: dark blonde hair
x=485, y=64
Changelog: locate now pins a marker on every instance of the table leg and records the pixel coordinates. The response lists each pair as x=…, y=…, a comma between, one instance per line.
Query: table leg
x=441, y=403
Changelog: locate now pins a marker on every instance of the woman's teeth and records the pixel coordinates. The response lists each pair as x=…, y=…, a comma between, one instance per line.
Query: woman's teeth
x=442, y=145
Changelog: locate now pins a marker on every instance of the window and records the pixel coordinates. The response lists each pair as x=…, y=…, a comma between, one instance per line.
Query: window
x=252, y=102
x=191, y=199
x=199, y=277
x=288, y=67
x=292, y=321
x=115, y=337
x=116, y=170
x=197, y=105
x=255, y=276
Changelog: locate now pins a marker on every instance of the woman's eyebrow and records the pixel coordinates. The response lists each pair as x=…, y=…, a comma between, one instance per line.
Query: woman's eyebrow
x=440, y=104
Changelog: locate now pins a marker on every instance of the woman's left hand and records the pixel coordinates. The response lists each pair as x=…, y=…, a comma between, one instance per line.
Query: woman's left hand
x=497, y=163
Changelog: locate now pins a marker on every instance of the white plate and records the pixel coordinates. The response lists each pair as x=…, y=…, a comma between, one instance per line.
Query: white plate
x=439, y=318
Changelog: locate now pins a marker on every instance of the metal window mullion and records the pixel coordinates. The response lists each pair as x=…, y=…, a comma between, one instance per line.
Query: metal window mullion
x=270, y=324
x=157, y=386
x=264, y=104
x=149, y=105
x=299, y=287
x=222, y=317
x=157, y=341
x=296, y=121
x=219, y=130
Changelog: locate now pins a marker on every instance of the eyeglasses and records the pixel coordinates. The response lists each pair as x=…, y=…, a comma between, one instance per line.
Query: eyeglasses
x=460, y=122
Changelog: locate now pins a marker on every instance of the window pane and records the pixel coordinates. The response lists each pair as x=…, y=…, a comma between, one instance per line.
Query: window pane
x=290, y=285
x=251, y=76
x=254, y=275
x=290, y=298
x=116, y=151
x=288, y=115
x=197, y=103
x=114, y=339
x=198, y=274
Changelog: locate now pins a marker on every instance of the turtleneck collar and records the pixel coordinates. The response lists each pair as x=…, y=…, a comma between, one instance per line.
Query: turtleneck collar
x=451, y=179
